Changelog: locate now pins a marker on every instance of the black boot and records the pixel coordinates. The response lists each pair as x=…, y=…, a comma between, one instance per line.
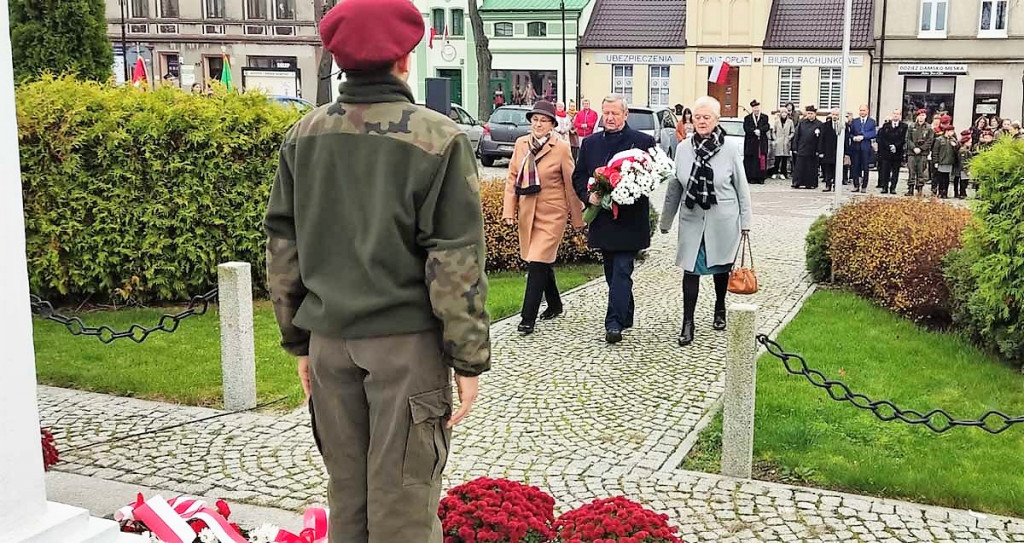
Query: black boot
x=686, y=334
x=536, y=280
x=552, y=296
x=721, y=287
x=719, y=323
x=691, y=290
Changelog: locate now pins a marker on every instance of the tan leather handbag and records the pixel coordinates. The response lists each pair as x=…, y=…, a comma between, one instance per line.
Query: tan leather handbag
x=743, y=280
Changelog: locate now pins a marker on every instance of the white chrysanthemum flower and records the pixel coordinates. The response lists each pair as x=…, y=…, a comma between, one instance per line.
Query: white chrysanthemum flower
x=150, y=537
x=622, y=195
x=266, y=533
x=206, y=535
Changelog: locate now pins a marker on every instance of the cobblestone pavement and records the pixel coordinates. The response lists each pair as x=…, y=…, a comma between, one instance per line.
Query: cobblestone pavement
x=561, y=410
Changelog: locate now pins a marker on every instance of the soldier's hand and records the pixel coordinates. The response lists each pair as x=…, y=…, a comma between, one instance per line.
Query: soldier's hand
x=594, y=198
x=468, y=388
x=304, y=374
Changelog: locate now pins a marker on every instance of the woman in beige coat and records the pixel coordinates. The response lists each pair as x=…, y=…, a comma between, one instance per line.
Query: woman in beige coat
x=540, y=187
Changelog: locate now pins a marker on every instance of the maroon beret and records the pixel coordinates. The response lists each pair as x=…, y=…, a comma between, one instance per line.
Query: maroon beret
x=369, y=34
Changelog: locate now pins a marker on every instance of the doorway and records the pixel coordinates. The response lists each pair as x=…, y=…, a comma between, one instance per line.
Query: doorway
x=728, y=93
x=454, y=82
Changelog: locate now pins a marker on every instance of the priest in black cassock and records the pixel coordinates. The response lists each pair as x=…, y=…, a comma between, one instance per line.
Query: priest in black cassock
x=755, y=144
x=807, y=146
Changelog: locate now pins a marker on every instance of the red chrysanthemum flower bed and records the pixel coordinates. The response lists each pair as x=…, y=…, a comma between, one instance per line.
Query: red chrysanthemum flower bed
x=614, y=520
x=50, y=454
x=497, y=511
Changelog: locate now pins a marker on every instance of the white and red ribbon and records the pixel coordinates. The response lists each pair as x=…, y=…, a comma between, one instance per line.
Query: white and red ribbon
x=314, y=528
x=169, y=520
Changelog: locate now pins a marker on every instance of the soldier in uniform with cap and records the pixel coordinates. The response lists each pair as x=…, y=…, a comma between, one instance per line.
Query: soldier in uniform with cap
x=920, y=139
x=376, y=267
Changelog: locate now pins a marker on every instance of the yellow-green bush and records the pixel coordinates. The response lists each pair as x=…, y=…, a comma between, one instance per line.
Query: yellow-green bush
x=503, y=240
x=891, y=250
x=145, y=192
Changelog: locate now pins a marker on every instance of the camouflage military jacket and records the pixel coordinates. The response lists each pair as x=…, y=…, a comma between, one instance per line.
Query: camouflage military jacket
x=920, y=136
x=375, y=226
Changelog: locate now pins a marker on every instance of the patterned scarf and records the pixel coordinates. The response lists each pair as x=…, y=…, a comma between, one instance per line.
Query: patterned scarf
x=701, y=188
x=528, y=181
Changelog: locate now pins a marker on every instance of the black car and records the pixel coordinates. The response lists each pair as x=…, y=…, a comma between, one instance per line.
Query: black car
x=506, y=125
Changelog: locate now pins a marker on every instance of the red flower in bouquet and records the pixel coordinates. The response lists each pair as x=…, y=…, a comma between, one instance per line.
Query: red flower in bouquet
x=614, y=520
x=497, y=511
x=50, y=454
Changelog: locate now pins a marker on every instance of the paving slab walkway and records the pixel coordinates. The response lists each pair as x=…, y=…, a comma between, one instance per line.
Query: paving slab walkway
x=561, y=410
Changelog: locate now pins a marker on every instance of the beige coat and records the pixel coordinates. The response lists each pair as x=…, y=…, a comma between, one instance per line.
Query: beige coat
x=543, y=216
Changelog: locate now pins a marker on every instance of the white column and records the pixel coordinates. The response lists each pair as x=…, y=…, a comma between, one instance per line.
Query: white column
x=25, y=514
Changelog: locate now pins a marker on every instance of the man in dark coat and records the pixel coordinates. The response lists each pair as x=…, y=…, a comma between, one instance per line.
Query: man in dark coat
x=863, y=130
x=892, y=138
x=807, y=146
x=618, y=239
x=755, y=144
x=830, y=130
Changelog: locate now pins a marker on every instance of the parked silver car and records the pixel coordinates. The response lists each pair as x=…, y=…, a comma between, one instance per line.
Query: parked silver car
x=733, y=127
x=658, y=122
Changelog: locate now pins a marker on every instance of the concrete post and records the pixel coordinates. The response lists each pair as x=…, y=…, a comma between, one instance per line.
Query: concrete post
x=237, y=348
x=738, y=400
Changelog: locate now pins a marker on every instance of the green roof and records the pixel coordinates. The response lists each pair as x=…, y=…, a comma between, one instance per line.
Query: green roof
x=532, y=5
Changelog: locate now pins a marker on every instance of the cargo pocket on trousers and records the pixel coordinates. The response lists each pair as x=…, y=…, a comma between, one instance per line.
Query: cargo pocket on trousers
x=426, y=451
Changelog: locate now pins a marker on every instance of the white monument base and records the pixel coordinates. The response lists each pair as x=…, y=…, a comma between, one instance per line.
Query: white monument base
x=65, y=524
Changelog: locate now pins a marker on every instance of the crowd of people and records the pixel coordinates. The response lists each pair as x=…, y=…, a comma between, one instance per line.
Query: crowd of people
x=806, y=149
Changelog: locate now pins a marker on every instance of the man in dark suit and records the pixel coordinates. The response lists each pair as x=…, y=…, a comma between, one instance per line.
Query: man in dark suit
x=892, y=138
x=830, y=130
x=863, y=130
x=755, y=144
x=619, y=240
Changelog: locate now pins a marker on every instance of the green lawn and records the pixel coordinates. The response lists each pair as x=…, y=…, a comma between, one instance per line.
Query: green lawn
x=185, y=366
x=804, y=437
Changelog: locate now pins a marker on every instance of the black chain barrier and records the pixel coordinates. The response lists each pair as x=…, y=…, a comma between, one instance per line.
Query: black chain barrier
x=197, y=306
x=936, y=420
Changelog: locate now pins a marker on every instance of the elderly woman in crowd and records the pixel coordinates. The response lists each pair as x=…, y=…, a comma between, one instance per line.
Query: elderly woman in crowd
x=540, y=187
x=711, y=196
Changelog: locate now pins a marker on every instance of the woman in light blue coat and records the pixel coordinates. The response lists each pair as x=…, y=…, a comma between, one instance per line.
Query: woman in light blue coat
x=711, y=196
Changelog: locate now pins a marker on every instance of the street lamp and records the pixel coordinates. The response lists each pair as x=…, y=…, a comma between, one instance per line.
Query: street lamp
x=124, y=41
x=565, y=100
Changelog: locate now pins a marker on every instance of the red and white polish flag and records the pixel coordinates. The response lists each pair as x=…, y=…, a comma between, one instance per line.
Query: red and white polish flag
x=719, y=72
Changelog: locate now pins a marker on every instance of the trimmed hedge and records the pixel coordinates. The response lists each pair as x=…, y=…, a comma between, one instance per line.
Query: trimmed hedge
x=503, y=239
x=987, y=275
x=139, y=195
x=891, y=250
x=816, y=250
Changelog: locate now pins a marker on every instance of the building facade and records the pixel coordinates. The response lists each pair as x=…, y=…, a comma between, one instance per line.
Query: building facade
x=963, y=57
x=187, y=40
x=779, y=51
x=533, y=56
x=450, y=53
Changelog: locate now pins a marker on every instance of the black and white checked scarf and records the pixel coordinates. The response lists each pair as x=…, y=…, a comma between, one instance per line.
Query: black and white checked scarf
x=701, y=188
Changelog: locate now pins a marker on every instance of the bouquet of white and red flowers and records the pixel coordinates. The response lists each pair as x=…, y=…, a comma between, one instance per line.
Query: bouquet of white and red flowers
x=629, y=176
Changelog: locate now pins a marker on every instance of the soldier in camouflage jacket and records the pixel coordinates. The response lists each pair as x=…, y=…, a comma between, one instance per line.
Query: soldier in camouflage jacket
x=376, y=265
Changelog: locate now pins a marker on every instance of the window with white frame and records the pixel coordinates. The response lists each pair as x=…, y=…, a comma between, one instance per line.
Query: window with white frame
x=284, y=9
x=255, y=9
x=933, y=18
x=437, y=21
x=502, y=30
x=993, y=18
x=214, y=9
x=789, y=85
x=168, y=9
x=537, y=30
x=622, y=81
x=139, y=9
x=830, y=88
x=659, y=85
